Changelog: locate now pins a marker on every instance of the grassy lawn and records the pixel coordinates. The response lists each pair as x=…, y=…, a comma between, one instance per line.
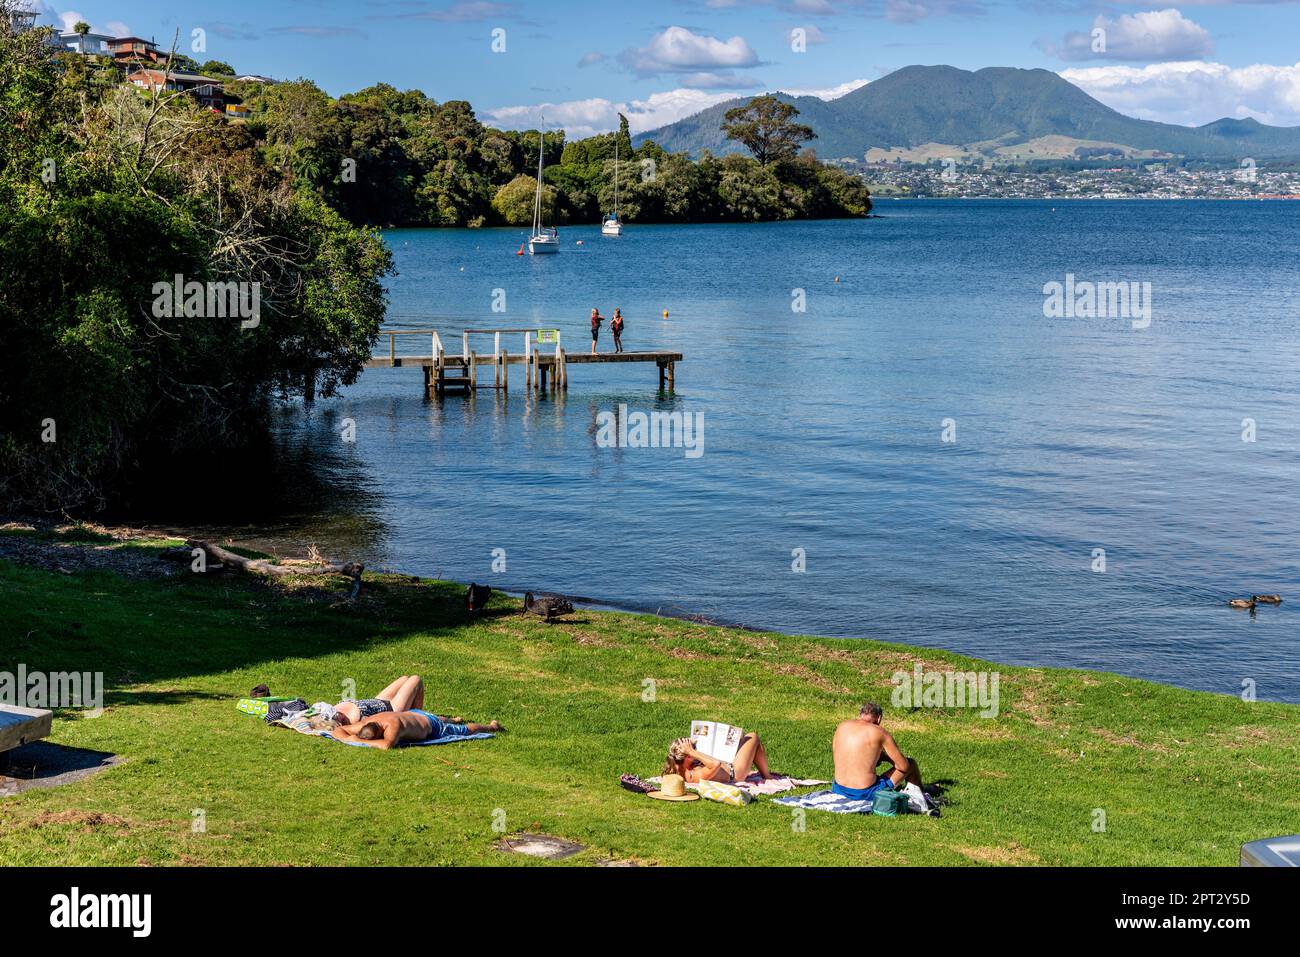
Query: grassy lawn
x=1182, y=777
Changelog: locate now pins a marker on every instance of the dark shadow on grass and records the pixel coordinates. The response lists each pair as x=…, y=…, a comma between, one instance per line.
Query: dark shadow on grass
x=170, y=696
x=42, y=764
x=151, y=631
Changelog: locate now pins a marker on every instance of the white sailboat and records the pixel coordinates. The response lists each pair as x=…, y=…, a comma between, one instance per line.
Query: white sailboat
x=545, y=239
x=611, y=226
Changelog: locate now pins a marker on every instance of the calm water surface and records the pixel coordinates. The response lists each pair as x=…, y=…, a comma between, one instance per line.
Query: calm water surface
x=823, y=432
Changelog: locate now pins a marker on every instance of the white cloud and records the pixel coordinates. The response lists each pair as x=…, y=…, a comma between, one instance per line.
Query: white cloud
x=1153, y=35
x=703, y=61
x=590, y=59
x=905, y=11
x=910, y=11
x=67, y=19
x=581, y=118
x=829, y=92
x=1192, y=93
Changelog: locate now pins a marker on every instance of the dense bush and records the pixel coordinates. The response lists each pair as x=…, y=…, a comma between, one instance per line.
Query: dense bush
x=384, y=157
x=105, y=193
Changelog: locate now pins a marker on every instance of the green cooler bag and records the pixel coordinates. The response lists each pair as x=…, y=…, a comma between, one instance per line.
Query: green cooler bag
x=889, y=803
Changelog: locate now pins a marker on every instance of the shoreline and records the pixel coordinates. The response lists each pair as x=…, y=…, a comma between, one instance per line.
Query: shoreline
x=35, y=532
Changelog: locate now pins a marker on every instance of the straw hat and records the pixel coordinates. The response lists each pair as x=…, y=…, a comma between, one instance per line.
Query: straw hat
x=673, y=788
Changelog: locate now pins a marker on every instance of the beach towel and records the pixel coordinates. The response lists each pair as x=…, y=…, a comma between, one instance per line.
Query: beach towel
x=258, y=706
x=320, y=726
x=757, y=787
x=826, y=800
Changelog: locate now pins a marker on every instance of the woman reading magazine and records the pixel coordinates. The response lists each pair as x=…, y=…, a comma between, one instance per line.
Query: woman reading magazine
x=695, y=766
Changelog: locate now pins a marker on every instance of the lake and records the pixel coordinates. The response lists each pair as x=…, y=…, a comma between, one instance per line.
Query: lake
x=947, y=460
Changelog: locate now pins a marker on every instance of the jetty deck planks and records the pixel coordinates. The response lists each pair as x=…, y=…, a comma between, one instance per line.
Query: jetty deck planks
x=544, y=369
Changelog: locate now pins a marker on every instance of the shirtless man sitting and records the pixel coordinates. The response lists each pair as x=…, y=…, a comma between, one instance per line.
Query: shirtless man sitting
x=859, y=746
x=389, y=728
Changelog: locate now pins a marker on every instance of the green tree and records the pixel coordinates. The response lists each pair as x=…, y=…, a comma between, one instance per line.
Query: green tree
x=514, y=201
x=217, y=68
x=765, y=127
x=81, y=28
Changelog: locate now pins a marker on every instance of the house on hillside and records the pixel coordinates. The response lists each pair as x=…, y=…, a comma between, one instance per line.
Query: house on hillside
x=87, y=44
x=209, y=92
x=20, y=21
x=127, y=50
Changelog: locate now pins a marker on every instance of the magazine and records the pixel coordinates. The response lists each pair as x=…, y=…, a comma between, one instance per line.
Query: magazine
x=716, y=739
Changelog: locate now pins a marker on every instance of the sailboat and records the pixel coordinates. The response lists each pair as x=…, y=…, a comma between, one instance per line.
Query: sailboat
x=545, y=239
x=611, y=226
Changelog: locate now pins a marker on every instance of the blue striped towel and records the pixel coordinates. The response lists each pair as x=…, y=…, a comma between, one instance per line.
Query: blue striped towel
x=826, y=800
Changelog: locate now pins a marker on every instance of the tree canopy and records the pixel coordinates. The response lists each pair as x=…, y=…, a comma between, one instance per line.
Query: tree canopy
x=386, y=157
x=765, y=126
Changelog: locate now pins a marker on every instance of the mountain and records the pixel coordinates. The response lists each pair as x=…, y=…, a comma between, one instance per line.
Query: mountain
x=1000, y=112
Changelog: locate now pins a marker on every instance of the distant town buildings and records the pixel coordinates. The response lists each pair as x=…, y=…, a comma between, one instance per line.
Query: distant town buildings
x=1245, y=180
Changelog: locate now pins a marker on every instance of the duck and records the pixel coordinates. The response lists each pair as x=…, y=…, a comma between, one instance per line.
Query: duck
x=476, y=598
x=1241, y=603
x=1267, y=599
x=547, y=606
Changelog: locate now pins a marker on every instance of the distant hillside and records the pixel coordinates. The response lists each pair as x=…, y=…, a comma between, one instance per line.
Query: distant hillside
x=987, y=112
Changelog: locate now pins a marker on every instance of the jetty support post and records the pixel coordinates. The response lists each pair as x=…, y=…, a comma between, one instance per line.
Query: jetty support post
x=473, y=372
x=662, y=372
x=505, y=372
x=672, y=375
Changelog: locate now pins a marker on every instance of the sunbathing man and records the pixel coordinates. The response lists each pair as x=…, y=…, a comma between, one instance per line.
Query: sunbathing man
x=405, y=693
x=389, y=728
x=859, y=745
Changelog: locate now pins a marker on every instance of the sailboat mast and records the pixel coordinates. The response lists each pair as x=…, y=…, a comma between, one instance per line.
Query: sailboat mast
x=537, y=202
x=616, y=176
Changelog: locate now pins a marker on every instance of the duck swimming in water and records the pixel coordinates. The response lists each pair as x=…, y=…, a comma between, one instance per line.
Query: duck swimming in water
x=1241, y=603
x=546, y=606
x=1267, y=599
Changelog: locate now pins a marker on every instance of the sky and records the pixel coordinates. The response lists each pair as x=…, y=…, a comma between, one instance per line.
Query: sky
x=580, y=62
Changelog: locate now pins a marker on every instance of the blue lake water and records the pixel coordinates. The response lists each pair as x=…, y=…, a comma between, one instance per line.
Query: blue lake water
x=823, y=431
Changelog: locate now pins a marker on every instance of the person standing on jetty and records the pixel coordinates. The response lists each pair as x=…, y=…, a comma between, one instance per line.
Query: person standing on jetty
x=616, y=327
x=596, y=320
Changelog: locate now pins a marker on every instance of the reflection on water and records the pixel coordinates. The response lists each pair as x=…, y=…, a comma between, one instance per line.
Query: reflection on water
x=295, y=485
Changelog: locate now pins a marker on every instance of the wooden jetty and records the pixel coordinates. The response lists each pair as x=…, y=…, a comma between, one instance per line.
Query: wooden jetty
x=546, y=363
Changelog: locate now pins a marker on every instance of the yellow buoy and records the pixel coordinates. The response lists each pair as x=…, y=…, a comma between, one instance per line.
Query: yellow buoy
x=665, y=313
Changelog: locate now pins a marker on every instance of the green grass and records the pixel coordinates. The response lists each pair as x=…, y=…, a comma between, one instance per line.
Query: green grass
x=1183, y=777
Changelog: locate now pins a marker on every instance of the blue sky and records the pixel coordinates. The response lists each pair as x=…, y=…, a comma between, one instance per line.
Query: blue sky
x=658, y=60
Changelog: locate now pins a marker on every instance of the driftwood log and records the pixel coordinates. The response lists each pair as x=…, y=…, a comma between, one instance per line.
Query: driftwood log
x=223, y=557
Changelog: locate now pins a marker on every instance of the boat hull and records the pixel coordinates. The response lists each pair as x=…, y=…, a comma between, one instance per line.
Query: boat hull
x=612, y=229
x=540, y=247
